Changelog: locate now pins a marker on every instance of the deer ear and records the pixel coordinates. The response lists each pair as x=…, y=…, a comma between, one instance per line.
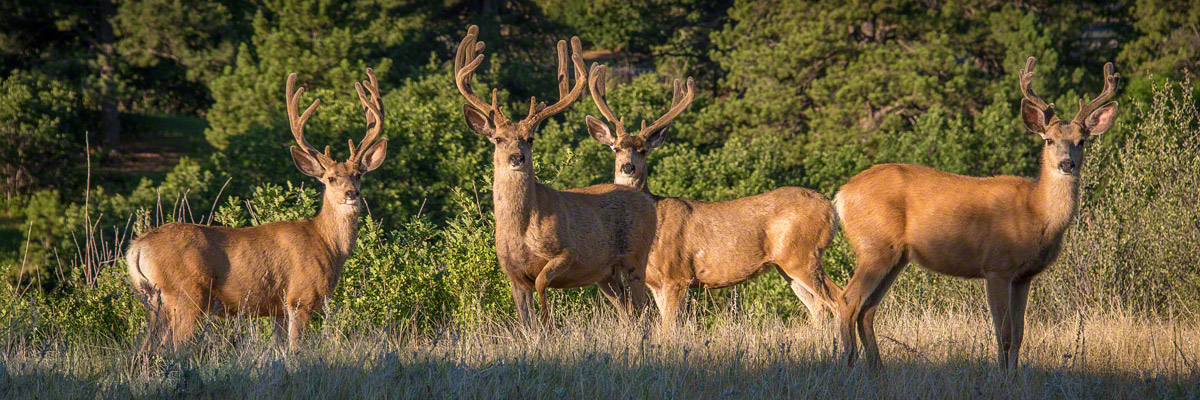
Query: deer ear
x=374, y=156
x=1034, y=117
x=600, y=131
x=478, y=122
x=1101, y=119
x=656, y=138
x=306, y=163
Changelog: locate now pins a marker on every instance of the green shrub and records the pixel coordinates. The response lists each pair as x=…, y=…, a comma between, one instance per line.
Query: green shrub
x=41, y=132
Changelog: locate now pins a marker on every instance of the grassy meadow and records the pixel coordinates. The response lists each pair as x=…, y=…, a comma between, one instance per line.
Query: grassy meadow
x=930, y=354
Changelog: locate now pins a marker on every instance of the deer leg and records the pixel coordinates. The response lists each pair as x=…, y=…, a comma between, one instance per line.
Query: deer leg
x=615, y=291
x=805, y=291
x=999, y=297
x=669, y=299
x=183, y=324
x=866, y=316
x=155, y=324
x=549, y=271
x=1016, y=311
x=281, y=328
x=298, y=317
x=523, y=299
x=873, y=270
x=635, y=284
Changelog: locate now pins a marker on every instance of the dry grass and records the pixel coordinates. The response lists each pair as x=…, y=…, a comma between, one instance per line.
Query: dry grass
x=940, y=354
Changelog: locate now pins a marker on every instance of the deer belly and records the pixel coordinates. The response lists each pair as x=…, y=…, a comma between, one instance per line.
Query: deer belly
x=956, y=256
x=714, y=272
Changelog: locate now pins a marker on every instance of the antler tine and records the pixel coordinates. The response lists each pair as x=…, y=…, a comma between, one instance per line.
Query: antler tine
x=1110, y=89
x=1026, y=78
x=563, y=85
x=465, y=62
x=297, y=122
x=596, y=87
x=580, y=82
x=374, y=113
x=678, y=104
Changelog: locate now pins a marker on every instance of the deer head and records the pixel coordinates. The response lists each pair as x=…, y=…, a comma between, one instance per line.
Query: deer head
x=341, y=179
x=631, y=151
x=1064, y=142
x=513, y=140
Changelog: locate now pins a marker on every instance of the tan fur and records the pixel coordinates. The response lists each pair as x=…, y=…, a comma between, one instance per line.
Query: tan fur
x=1003, y=229
x=710, y=245
x=719, y=244
x=547, y=238
x=281, y=269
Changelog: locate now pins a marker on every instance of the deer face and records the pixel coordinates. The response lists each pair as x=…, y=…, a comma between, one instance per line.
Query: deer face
x=1063, y=148
x=513, y=141
x=342, y=180
x=630, y=151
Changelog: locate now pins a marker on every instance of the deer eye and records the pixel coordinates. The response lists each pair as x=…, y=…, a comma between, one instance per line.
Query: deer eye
x=499, y=140
x=1049, y=142
x=332, y=179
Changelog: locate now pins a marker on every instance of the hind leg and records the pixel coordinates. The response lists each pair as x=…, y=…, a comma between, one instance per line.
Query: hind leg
x=806, y=292
x=669, y=299
x=156, y=320
x=866, y=316
x=806, y=276
x=875, y=264
x=182, y=325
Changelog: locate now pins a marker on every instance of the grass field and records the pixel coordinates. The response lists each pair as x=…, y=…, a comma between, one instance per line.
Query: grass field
x=942, y=354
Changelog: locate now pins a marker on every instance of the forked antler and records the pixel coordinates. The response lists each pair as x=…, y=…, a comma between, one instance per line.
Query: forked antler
x=374, y=110
x=1110, y=88
x=466, y=60
x=1026, y=78
x=680, y=99
x=597, y=87
x=297, y=121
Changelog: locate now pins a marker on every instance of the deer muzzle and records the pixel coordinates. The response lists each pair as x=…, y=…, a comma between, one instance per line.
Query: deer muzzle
x=516, y=160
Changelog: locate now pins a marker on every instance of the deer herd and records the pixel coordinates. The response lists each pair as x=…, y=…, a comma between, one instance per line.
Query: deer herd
x=628, y=241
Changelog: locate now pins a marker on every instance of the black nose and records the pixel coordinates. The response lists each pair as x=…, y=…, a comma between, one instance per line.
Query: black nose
x=516, y=160
x=627, y=169
x=1066, y=166
x=351, y=194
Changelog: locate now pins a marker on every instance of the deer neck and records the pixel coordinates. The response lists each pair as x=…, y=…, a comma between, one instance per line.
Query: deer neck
x=515, y=197
x=1055, y=199
x=337, y=226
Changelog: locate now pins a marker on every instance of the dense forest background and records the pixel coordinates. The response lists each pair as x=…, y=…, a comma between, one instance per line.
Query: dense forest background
x=116, y=116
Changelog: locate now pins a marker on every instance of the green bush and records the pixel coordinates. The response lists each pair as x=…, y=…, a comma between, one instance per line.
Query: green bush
x=41, y=133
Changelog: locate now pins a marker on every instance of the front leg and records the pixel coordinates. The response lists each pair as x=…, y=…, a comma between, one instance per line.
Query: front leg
x=299, y=313
x=1016, y=311
x=552, y=269
x=523, y=300
x=613, y=289
x=999, y=297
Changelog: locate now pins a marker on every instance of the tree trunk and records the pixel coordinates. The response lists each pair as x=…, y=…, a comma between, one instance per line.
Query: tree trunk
x=110, y=120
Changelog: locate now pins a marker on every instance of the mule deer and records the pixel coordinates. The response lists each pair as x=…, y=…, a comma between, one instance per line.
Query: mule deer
x=549, y=238
x=719, y=244
x=281, y=269
x=1002, y=229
